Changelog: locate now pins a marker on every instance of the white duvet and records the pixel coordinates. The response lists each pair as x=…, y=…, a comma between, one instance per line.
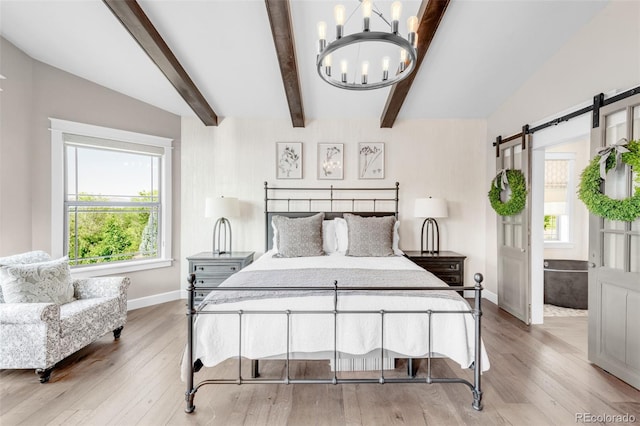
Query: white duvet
x=312, y=335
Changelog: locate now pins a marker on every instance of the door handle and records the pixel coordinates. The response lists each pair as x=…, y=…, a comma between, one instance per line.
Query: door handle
x=522, y=250
x=592, y=265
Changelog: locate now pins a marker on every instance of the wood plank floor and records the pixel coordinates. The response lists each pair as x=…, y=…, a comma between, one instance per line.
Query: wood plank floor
x=536, y=378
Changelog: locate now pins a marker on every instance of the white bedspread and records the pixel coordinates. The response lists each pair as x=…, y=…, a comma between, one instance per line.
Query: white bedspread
x=312, y=335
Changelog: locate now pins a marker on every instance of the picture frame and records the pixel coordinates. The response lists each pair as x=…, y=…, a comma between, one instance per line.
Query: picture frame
x=288, y=160
x=371, y=160
x=330, y=161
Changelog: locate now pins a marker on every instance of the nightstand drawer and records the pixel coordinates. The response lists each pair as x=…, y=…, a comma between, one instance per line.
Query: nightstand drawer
x=436, y=266
x=449, y=279
x=209, y=281
x=219, y=268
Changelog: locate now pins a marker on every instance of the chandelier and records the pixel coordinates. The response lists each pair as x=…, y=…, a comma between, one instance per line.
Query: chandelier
x=386, y=48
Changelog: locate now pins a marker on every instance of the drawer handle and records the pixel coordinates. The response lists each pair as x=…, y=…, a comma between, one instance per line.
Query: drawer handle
x=200, y=267
x=453, y=266
x=233, y=268
x=201, y=282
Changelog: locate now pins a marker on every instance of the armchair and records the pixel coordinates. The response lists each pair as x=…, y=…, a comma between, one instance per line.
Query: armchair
x=39, y=335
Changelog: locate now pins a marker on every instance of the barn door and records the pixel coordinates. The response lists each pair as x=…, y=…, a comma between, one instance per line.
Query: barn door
x=514, y=290
x=614, y=256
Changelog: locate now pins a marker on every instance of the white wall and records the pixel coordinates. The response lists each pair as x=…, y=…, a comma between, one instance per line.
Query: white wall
x=33, y=92
x=603, y=56
x=428, y=157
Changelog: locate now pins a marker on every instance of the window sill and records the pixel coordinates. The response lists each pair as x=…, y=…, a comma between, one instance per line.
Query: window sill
x=119, y=268
x=558, y=245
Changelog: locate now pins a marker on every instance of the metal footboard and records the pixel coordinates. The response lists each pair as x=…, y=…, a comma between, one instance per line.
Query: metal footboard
x=476, y=312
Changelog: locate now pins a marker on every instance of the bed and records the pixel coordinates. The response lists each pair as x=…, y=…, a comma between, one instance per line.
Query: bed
x=333, y=286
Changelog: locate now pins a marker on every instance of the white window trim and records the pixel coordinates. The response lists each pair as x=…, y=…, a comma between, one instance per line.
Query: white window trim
x=58, y=128
x=569, y=242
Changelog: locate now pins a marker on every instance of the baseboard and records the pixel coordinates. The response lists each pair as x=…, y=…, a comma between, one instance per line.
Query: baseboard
x=156, y=299
x=486, y=294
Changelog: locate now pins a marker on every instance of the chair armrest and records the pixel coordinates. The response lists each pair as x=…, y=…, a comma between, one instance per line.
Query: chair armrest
x=88, y=288
x=29, y=313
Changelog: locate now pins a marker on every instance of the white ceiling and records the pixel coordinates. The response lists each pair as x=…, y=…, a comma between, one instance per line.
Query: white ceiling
x=483, y=51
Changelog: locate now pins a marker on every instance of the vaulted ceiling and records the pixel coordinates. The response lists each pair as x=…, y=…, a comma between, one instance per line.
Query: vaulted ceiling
x=481, y=53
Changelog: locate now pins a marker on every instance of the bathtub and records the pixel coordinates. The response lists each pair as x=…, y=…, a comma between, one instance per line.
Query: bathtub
x=565, y=283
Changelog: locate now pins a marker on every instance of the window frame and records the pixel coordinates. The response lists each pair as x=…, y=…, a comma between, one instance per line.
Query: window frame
x=58, y=222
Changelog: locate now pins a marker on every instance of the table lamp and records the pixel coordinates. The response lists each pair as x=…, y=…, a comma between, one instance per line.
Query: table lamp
x=222, y=208
x=430, y=208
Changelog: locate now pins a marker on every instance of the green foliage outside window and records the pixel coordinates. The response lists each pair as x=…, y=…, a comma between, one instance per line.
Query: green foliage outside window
x=110, y=234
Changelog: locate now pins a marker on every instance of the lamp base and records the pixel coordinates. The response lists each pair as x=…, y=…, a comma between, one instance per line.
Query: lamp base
x=432, y=230
x=219, y=245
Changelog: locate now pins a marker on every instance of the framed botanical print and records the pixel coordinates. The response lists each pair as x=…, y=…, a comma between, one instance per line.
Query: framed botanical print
x=371, y=160
x=330, y=161
x=289, y=160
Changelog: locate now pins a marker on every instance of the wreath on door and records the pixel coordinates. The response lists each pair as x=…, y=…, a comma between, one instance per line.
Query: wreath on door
x=592, y=177
x=513, y=179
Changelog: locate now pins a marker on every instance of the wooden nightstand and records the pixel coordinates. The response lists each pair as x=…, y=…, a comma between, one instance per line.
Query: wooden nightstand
x=446, y=265
x=211, y=269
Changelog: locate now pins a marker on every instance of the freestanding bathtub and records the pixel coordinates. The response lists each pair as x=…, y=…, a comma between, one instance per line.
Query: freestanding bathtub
x=565, y=283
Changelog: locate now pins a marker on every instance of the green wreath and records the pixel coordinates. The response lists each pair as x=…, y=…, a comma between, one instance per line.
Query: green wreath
x=627, y=209
x=516, y=181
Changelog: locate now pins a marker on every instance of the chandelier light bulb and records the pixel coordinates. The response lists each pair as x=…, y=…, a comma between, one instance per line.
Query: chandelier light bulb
x=322, y=30
x=366, y=14
x=327, y=65
x=339, y=14
x=343, y=70
x=365, y=71
x=396, y=10
x=322, y=36
x=412, y=27
x=412, y=24
x=403, y=60
x=385, y=68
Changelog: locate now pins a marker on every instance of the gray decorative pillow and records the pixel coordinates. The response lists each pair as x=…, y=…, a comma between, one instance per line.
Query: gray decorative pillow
x=43, y=282
x=299, y=237
x=370, y=236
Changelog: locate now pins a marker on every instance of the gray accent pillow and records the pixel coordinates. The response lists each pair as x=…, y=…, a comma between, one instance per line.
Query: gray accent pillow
x=370, y=236
x=299, y=237
x=43, y=282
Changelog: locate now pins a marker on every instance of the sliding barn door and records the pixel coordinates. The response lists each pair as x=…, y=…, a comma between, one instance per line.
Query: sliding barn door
x=614, y=256
x=514, y=290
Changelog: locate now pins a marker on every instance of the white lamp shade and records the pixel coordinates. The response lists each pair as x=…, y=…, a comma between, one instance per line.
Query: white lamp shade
x=431, y=207
x=221, y=207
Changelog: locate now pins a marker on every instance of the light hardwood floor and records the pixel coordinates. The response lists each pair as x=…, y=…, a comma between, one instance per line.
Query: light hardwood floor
x=535, y=378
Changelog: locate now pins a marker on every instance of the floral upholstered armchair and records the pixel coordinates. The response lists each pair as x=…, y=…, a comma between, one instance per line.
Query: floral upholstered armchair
x=46, y=315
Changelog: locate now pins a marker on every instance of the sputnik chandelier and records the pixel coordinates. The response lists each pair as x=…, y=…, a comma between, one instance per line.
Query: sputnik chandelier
x=368, y=48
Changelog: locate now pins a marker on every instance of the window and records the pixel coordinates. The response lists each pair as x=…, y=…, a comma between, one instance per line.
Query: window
x=558, y=196
x=111, y=198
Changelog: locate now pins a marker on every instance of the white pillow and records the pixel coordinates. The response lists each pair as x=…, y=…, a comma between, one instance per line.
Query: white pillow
x=329, y=240
x=42, y=282
x=342, y=235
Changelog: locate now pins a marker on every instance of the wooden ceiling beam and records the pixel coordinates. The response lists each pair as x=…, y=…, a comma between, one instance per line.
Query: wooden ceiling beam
x=282, y=30
x=429, y=15
x=131, y=15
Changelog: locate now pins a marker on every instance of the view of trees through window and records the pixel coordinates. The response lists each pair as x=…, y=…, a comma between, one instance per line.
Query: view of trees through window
x=112, y=205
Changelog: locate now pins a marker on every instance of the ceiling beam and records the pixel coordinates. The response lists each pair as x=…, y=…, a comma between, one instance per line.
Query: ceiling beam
x=282, y=30
x=429, y=15
x=142, y=30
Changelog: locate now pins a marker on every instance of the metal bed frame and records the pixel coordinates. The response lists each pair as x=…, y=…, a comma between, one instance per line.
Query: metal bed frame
x=193, y=312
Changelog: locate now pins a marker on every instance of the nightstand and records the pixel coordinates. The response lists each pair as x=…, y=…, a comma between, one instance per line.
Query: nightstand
x=212, y=269
x=446, y=265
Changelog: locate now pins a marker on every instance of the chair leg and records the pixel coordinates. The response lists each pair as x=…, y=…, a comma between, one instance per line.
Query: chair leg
x=116, y=332
x=45, y=374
